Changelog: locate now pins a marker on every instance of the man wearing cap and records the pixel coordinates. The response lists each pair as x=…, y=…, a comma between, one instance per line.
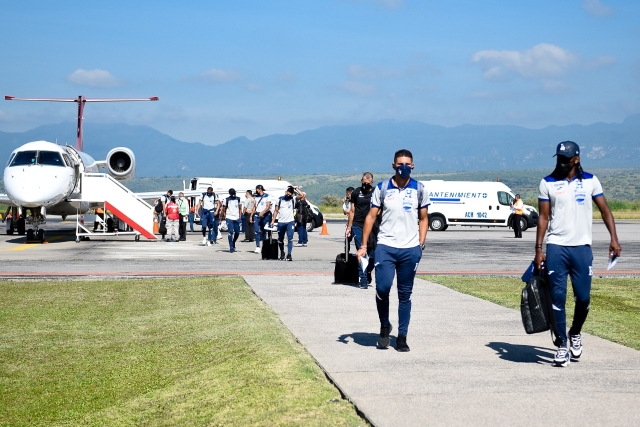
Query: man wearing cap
x=565, y=208
x=231, y=211
x=261, y=215
x=210, y=208
x=284, y=212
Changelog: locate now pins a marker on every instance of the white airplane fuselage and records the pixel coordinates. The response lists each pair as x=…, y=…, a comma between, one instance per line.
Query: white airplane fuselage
x=43, y=174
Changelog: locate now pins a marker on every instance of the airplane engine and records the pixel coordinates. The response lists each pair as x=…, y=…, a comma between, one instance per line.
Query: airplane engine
x=121, y=163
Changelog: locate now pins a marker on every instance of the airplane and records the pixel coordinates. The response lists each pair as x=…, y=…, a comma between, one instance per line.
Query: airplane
x=40, y=177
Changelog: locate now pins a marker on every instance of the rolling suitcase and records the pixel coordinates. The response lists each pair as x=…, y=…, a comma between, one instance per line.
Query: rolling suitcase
x=270, y=248
x=346, y=268
x=536, y=307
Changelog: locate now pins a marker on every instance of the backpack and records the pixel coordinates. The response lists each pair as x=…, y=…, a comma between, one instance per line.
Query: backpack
x=536, y=307
x=308, y=212
x=158, y=207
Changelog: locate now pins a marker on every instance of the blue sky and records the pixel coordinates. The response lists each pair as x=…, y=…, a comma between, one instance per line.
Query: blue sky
x=253, y=68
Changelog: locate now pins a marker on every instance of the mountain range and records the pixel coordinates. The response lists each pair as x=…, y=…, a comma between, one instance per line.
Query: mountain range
x=351, y=148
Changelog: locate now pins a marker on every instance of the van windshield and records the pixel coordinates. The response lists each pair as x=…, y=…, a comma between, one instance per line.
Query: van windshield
x=505, y=198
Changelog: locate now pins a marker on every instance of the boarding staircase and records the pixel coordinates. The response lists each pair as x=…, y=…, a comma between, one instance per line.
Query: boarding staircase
x=117, y=199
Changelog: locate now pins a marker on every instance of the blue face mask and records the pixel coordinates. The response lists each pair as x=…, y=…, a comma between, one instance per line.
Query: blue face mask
x=403, y=171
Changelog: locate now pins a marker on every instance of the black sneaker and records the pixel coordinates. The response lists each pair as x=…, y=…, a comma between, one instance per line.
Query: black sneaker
x=401, y=343
x=281, y=256
x=289, y=257
x=383, y=340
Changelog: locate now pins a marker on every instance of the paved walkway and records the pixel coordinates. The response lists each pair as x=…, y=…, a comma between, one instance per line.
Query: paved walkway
x=470, y=362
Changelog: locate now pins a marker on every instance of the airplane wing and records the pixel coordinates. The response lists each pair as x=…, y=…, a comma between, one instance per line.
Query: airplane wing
x=4, y=200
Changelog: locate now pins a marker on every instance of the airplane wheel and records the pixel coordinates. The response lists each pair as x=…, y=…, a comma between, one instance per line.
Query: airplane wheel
x=137, y=238
x=21, y=226
x=41, y=236
x=30, y=235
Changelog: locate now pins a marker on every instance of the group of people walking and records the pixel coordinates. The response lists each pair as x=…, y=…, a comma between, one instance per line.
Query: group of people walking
x=255, y=214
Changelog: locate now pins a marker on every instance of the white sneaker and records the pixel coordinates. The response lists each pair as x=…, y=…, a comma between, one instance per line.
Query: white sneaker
x=562, y=357
x=298, y=245
x=208, y=243
x=204, y=241
x=257, y=251
x=576, y=345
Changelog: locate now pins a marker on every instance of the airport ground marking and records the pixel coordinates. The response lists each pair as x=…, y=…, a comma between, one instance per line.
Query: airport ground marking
x=27, y=245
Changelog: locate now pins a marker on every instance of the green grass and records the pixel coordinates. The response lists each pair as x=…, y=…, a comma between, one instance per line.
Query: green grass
x=615, y=302
x=202, y=351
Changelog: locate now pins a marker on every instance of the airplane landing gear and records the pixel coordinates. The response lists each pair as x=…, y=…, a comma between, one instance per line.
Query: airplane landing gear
x=21, y=226
x=30, y=235
x=41, y=235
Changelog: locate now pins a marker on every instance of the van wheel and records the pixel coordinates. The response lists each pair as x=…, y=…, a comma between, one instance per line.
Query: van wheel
x=523, y=224
x=437, y=223
x=310, y=227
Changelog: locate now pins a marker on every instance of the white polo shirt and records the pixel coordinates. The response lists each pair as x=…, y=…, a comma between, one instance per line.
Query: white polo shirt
x=286, y=209
x=261, y=202
x=232, y=208
x=571, y=204
x=399, y=227
x=209, y=202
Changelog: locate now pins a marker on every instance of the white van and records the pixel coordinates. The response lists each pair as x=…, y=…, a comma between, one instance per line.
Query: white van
x=273, y=187
x=472, y=203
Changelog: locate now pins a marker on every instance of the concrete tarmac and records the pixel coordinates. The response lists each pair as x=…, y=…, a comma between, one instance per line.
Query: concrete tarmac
x=459, y=250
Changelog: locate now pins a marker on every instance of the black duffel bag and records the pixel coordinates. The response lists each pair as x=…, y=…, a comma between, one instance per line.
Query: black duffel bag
x=536, y=307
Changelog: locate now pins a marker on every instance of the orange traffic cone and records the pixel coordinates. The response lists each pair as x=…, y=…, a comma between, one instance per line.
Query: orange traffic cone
x=324, y=231
x=155, y=226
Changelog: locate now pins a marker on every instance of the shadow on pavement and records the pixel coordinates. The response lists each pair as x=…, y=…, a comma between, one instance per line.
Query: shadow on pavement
x=365, y=339
x=522, y=353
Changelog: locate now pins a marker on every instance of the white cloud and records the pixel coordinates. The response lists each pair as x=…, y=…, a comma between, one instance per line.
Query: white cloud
x=218, y=75
x=601, y=62
x=93, y=78
x=357, y=88
x=542, y=60
x=596, y=8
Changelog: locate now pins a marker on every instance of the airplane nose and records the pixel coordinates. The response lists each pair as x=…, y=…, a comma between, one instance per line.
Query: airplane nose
x=35, y=186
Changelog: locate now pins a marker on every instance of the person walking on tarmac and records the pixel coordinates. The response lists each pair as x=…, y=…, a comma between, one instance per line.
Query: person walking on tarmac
x=248, y=206
x=403, y=230
x=183, y=211
x=261, y=215
x=565, y=215
x=231, y=212
x=171, y=211
x=360, y=206
x=286, y=222
x=210, y=206
x=301, y=218
x=517, y=206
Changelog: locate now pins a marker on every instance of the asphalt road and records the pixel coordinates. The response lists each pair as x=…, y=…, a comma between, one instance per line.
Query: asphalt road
x=459, y=250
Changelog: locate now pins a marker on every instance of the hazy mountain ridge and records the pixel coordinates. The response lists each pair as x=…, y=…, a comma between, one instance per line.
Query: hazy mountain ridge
x=352, y=148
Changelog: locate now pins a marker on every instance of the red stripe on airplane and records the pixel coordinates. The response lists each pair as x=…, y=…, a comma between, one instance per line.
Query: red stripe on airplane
x=129, y=221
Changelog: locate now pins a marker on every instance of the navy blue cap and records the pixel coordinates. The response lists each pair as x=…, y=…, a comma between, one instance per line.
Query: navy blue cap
x=568, y=149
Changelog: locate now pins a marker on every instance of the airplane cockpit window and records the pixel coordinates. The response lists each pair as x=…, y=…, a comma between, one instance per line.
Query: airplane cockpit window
x=24, y=158
x=11, y=158
x=50, y=158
